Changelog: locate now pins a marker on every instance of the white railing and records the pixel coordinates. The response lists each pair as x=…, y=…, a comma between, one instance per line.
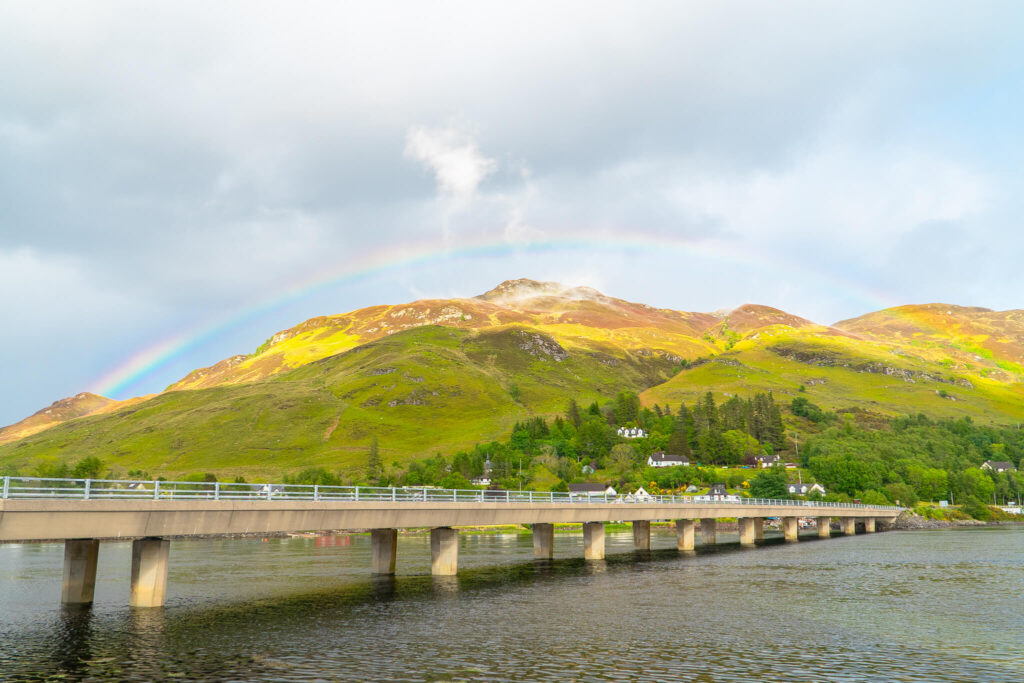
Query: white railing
x=126, y=489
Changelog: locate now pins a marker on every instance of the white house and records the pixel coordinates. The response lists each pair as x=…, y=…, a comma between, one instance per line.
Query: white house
x=717, y=492
x=804, y=489
x=589, y=490
x=998, y=466
x=663, y=459
x=766, y=461
x=631, y=432
x=640, y=495
x=482, y=480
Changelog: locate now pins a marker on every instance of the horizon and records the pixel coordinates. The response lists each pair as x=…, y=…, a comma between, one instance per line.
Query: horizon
x=175, y=190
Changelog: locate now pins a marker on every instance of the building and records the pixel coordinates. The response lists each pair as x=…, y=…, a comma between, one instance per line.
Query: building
x=717, y=491
x=589, y=490
x=800, y=489
x=482, y=480
x=640, y=495
x=998, y=466
x=631, y=432
x=663, y=459
x=766, y=461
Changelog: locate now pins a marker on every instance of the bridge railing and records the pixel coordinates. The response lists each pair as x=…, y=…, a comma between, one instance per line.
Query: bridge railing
x=131, y=489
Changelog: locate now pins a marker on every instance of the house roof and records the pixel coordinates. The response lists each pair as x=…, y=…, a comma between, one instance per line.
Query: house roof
x=1000, y=464
x=587, y=488
x=662, y=456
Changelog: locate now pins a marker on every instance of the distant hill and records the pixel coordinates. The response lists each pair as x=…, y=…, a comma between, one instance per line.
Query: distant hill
x=438, y=375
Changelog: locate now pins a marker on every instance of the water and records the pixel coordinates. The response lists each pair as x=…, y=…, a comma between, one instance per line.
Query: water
x=926, y=605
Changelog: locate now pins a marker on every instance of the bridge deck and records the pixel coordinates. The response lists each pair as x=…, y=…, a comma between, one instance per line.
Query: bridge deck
x=58, y=519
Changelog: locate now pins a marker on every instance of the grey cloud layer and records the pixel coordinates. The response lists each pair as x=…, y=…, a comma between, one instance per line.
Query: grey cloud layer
x=175, y=161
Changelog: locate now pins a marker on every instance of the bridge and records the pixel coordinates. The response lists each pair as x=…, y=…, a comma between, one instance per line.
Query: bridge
x=82, y=512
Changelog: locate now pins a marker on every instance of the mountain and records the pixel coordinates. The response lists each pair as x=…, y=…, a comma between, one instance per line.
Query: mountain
x=579, y=317
x=65, y=409
x=443, y=374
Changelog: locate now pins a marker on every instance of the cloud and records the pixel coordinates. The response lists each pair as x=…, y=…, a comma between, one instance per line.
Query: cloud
x=454, y=158
x=158, y=169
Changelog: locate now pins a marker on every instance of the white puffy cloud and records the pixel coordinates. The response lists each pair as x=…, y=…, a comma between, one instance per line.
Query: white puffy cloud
x=453, y=157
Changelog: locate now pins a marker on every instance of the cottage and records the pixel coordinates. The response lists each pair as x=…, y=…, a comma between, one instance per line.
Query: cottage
x=640, y=495
x=717, y=492
x=631, y=432
x=998, y=466
x=590, y=490
x=800, y=489
x=482, y=480
x=663, y=459
x=766, y=461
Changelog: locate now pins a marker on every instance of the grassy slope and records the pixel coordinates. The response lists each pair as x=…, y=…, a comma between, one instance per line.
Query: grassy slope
x=419, y=391
x=835, y=372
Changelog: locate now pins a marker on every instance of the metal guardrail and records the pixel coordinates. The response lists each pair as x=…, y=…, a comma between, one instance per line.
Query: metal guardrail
x=129, y=489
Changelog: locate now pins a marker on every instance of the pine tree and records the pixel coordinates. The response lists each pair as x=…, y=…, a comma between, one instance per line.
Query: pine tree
x=373, y=460
x=573, y=413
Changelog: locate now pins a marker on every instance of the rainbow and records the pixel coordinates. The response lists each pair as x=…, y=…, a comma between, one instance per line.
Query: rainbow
x=412, y=255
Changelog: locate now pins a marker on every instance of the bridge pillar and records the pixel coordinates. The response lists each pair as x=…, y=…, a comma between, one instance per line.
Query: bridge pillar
x=149, y=572
x=383, y=549
x=642, y=534
x=824, y=527
x=790, y=529
x=593, y=540
x=544, y=540
x=707, y=531
x=444, y=551
x=758, y=528
x=80, y=555
x=684, y=534
x=747, y=535
x=869, y=525
x=848, y=525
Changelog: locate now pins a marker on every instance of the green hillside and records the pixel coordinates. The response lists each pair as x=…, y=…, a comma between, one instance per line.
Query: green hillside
x=841, y=373
x=441, y=375
x=420, y=391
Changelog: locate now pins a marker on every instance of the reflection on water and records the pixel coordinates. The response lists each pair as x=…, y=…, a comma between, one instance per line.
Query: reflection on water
x=899, y=606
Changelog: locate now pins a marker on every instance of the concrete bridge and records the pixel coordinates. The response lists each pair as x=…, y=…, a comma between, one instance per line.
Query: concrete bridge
x=82, y=512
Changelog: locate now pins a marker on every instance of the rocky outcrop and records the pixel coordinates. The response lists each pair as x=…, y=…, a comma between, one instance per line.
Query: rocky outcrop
x=824, y=358
x=540, y=346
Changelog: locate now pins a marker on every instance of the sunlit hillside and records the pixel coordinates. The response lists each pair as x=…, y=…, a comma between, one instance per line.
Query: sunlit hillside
x=438, y=375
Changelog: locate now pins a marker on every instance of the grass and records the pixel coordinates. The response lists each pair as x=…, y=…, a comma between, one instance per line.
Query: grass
x=426, y=390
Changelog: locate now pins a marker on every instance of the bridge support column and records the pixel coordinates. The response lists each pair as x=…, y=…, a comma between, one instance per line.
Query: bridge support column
x=747, y=535
x=824, y=527
x=593, y=540
x=544, y=540
x=869, y=525
x=684, y=534
x=790, y=529
x=149, y=572
x=758, y=528
x=707, y=531
x=444, y=551
x=383, y=549
x=848, y=525
x=642, y=534
x=80, y=555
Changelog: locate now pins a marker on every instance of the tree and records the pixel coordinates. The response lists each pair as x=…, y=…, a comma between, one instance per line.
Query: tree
x=771, y=483
x=573, y=413
x=627, y=407
x=373, y=459
x=87, y=468
x=624, y=457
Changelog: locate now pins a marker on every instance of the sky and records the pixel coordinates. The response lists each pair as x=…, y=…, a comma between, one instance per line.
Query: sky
x=178, y=181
